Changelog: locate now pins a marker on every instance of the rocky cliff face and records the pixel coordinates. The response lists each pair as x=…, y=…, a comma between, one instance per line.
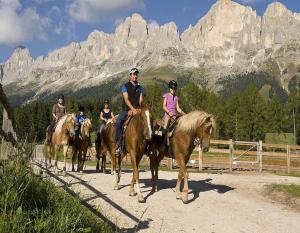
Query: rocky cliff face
x=229, y=39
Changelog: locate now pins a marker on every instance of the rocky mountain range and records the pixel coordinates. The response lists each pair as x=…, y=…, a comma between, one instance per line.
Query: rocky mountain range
x=230, y=39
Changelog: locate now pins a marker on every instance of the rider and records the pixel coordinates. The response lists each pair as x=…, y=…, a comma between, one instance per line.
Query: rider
x=132, y=100
x=80, y=117
x=58, y=111
x=106, y=114
x=170, y=104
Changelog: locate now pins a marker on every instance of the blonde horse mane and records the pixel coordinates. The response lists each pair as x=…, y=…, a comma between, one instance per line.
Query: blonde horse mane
x=190, y=122
x=86, y=121
x=64, y=119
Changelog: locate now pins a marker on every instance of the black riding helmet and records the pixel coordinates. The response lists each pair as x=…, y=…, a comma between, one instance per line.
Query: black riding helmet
x=106, y=101
x=81, y=109
x=134, y=71
x=172, y=85
x=61, y=97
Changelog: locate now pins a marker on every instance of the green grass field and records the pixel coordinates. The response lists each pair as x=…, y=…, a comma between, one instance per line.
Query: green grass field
x=291, y=189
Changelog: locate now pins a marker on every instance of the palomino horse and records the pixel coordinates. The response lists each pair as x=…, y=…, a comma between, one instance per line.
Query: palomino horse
x=64, y=130
x=81, y=144
x=195, y=125
x=137, y=136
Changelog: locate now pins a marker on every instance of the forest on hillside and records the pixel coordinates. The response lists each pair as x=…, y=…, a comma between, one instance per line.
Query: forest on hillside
x=242, y=115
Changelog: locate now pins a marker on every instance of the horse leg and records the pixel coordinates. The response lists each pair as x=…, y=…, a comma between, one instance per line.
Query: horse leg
x=102, y=156
x=79, y=160
x=83, y=158
x=97, y=158
x=153, y=171
x=65, y=160
x=74, y=152
x=179, y=179
x=113, y=163
x=131, y=191
x=186, y=187
x=55, y=149
x=182, y=174
x=103, y=164
x=135, y=161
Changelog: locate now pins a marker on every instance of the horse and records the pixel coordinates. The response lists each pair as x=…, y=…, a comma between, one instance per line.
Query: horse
x=80, y=145
x=64, y=131
x=137, y=135
x=190, y=127
x=105, y=146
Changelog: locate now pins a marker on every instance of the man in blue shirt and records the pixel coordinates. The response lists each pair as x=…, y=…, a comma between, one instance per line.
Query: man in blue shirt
x=132, y=93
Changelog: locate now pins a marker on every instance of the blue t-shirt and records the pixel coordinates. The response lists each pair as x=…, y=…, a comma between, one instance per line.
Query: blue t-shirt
x=80, y=119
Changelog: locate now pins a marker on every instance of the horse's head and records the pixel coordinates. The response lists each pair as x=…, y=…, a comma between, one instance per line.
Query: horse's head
x=70, y=124
x=147, y=122
x=205, y=131
x=86, y=127
x=198, y=124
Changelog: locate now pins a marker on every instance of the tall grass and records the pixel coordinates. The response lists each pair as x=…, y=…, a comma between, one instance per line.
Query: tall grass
x=28, y=203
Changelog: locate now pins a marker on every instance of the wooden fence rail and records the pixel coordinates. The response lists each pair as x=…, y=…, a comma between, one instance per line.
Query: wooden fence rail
x=261, y=152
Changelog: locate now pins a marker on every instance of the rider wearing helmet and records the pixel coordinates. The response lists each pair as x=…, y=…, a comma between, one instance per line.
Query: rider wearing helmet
x=170, y=104
x=58, y=111
x=132, y=99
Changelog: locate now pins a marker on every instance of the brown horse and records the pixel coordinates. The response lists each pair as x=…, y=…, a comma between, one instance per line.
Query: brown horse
x=105, y=146
x=195, y=125
x=137, y=136
x=81, y=144
x=64, y=130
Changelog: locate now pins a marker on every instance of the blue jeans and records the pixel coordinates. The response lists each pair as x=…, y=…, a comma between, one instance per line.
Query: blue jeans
x=119, y=124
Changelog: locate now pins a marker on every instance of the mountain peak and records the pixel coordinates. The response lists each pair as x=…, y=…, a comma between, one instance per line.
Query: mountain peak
x=276, y=9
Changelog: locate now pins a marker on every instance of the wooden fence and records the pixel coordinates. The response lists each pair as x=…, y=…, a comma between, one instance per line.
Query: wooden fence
x=229, y=154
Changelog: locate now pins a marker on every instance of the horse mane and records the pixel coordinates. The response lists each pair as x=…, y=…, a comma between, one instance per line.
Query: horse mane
x=86, y=121
x=62, y=120
x=190, y=122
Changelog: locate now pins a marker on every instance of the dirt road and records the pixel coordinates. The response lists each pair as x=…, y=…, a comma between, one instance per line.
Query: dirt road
x=218, y=203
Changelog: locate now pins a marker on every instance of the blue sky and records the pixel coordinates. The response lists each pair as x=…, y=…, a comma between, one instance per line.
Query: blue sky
x=45, y=25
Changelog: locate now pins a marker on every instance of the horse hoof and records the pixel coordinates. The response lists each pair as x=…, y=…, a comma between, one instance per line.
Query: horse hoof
x=141, y=198
x=132, y=193
x=184, y=198
x=116, y=187
x=178, y=196
x=112, y=173
x=154, y=189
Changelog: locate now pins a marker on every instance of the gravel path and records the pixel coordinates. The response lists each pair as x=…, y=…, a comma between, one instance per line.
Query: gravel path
x=218, y=203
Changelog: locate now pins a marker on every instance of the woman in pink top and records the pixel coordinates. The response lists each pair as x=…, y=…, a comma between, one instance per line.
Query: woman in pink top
x=170, y=105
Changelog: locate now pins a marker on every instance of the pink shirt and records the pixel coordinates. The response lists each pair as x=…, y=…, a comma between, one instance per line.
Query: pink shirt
x=171, y=102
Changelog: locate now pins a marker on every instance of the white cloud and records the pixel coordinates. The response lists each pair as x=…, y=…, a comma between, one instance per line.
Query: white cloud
x=250, y=1
x=95, y=10
x=19, y=25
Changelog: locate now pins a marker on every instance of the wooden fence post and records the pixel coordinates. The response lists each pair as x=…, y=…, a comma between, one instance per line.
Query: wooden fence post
x=200, y=159
x=7, y=147
x=288, y=158
x=231, y=148
x=260, y=151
